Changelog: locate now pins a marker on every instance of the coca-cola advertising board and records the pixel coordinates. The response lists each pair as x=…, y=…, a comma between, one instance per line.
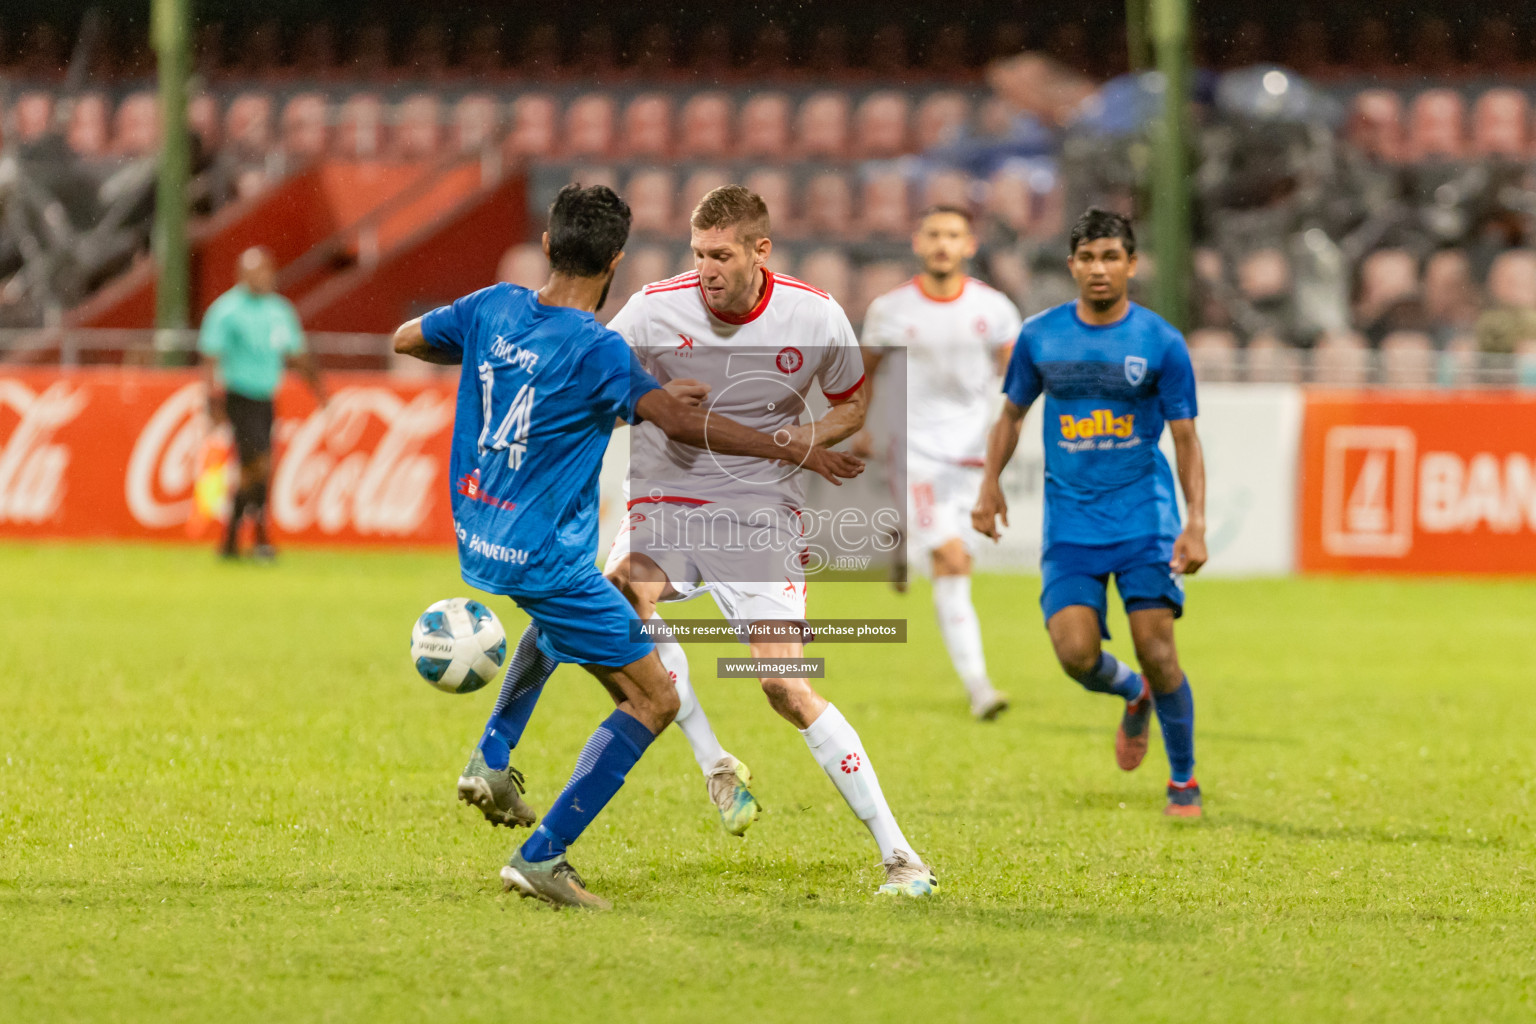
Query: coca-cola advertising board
x=115, y=453
x=1442, y=483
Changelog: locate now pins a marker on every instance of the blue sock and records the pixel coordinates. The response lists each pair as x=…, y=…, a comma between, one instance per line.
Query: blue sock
x=600, y=770
x=526, y=674
x=1176, y=714
x=1111, y=675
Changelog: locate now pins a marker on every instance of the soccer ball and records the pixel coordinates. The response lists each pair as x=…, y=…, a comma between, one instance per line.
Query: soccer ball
x=458, y=645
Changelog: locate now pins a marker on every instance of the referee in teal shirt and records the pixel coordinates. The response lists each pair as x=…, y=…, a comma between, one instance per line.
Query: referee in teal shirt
x=249, y=334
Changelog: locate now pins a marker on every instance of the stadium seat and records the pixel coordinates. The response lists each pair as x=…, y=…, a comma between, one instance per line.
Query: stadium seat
x=1512, y=279
x=1213, y=354
x=947, y=188
x=1341, y=359
x=778, y=193
x=1376, y=124
x=884, y=207
x=701, y=182
x=765, y=126
x=248, y=123
x=648, y=126
x=31, y=116
x=418, y=127
x=136, y=125
x=888, y=52
x=87, y=128
x=370, y=56
x=1386, y=276
x=589, y=126
x=650, y=194
x=828, y=207
x=941, y=119
x=880, y=125
x=476, y=121
x=706, y=126
x=1264, y=275
x=524, y=265
x=1437, y=126
x=1450, y=293
x=304, y=129
x=821, y=129
x=828, y=269
x=1408, y=359
x=1269, y=360
x=1501, y=124
x=360, y=126
x=874, y=280
x=532, y=135
x=315, y=52
x=203, y=117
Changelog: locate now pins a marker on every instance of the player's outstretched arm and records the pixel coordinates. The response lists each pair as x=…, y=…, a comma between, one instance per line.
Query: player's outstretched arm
x=1001, y=441
x=409, y=341
x=696, y=426
x=1189, y=552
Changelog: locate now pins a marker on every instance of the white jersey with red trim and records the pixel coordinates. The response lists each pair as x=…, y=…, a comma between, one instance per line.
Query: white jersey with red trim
x=952, y=377
x=759, y=366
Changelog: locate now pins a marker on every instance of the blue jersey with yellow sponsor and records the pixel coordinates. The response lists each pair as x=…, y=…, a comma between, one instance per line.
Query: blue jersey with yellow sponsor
x=1108, y=391
x=538, y=395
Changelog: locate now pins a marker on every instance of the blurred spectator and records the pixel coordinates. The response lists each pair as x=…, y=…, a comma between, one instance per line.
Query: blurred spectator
x=427, y=53
x=653, y=54
x=1450, y=294
x=829, y=47
x=1249, y=46
x=261, y=51
x=1372, y=52
x=1510, y=319
x=1494, y=47
x=483, y=59
x=370, y=52
x=946, y=50
x=593, y=57
x=1306, y=49
x=540, y=56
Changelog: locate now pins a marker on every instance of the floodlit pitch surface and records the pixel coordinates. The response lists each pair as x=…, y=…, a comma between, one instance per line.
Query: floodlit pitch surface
x=225, y=795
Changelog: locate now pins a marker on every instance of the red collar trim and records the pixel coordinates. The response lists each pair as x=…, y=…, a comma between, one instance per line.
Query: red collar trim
x=918, y=282
x=751, y=314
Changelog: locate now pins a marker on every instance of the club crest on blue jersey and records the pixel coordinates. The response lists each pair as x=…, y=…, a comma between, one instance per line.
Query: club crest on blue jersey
x=1135, y=369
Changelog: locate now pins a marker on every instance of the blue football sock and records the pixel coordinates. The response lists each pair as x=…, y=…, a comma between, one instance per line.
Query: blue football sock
x=526, y=674
x=600, y=770
x=1176, y=714
x=1111, y=675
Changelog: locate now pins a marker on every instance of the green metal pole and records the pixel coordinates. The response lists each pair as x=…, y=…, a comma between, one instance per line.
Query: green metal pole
x=1136, y=35
x=169, y=29
x=1170, y=162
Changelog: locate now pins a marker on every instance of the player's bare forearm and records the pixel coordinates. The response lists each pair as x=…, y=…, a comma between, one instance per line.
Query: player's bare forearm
x=211, y=388
x=844, y=419
x=1189, y=551
x=696, y=426
x=409, y=341
x=304, y=363
x=1003, y=439
x=991, y=505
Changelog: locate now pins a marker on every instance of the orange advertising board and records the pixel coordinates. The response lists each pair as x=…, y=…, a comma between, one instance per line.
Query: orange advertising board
x=115, y=453
x=1422, y=482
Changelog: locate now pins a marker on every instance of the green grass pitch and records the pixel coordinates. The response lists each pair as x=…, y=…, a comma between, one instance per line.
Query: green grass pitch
x=225, y=795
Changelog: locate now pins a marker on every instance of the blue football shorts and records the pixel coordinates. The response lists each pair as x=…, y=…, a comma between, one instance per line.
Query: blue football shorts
x=589, y=623
x=1078, y=574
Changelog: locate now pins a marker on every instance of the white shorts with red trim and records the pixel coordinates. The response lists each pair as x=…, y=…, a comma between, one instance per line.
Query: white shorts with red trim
x=731, y=554
x=940, y=496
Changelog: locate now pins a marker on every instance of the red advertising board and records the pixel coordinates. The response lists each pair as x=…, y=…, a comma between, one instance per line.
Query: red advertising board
x=114, y=453
x=1424, y=482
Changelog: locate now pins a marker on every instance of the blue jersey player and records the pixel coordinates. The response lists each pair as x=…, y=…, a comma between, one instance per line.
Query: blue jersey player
x=542, y=387
x=1113, y=373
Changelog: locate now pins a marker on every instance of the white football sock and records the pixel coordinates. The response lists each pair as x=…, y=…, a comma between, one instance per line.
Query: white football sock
x=690, y=716
x=962, y=632
x=840, y=752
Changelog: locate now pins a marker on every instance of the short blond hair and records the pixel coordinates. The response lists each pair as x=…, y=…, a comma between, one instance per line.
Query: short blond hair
x=732, y=206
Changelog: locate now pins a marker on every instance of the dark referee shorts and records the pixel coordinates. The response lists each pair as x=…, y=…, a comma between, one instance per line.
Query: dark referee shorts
x=252, y=421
